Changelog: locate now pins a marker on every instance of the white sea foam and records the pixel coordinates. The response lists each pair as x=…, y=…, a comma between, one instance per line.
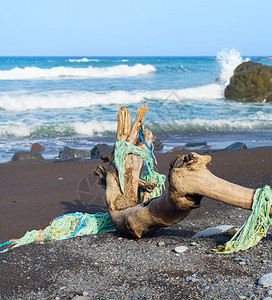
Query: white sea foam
x=67, y=72
x=84, y=59
x=22, y=130
x=198, y=124
x=228, y=60
x=74, y=99
x=95, y=127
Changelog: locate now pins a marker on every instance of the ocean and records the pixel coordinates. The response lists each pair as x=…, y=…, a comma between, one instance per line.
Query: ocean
x=74, y=101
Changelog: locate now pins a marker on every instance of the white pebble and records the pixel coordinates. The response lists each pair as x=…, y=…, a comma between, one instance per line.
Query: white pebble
x=266, y=280
x=85, y=293
x=180, y=249
x=161, y=243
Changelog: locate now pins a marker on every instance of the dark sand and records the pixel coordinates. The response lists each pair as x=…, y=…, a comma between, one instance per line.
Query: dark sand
x=33, y=193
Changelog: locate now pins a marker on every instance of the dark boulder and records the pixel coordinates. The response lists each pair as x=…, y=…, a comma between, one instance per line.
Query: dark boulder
x=157, y=144
x=178, y=148
x=70, y=153
x=195, y=144
x=36, y=147
x=236, y=146
x=250, y=82
x=99, y=149
x=26, y=155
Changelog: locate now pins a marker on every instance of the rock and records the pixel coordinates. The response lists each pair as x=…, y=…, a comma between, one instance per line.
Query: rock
x=70, y=153
x=236, y=146
x=36, y=147
x=266, y=280
x=179, y=148
x=251, y=81
x=99, y=149
x=180, y=249
x=82, y=298
x=231, y=232
x=26, y=155
x=195, y=144
x=213, y=231
x=161, y=243
x=193, y=244
x=158, y=145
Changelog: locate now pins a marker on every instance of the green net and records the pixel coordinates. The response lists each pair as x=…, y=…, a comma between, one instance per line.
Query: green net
x=256, y=225
x=122, y=149
x=64, y=227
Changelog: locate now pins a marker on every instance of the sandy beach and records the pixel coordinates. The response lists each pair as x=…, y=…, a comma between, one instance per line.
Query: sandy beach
x=111, y=266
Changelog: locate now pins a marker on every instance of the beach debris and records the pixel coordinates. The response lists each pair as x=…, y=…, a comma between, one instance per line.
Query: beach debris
x=189, y=180
x=98, y=149
x=180, y=249
x=213, y=231
x=36, y=147
x=266, y=280
x=64, y=227
x=26, y=155
x=236, y=146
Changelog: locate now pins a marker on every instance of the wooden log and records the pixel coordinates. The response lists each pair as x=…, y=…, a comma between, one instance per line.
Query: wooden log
x=189, y=181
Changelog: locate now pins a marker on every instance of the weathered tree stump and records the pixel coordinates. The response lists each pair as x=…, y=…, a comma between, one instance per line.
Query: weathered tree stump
x=189, y=180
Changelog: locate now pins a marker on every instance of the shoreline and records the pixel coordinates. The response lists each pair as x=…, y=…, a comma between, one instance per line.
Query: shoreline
x=110, y=265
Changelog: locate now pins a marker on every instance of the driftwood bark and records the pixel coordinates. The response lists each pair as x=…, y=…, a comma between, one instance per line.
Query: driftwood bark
x=189, y=180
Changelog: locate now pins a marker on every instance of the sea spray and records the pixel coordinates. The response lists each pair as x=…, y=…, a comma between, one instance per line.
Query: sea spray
x=228, y=60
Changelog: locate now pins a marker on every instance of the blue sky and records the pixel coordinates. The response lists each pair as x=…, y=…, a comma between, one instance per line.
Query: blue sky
x=142, y=27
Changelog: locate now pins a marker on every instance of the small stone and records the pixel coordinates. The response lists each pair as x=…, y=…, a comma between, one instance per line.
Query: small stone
x=242, y=262
x=161, y=243
x=82, y=298
x=85, y=293
x=270, y=292
x=194, y=244
x=266, y=280
x=57, y=298
x=180, y=249
x=267, y=298
x=213, y=231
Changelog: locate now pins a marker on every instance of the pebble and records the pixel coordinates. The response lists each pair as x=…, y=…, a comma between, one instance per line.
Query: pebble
x=82, y=298
x=194, y=244
x=161, y=243
x=213, y=231
x=267, y=298
x=266, y=280
x=85, y=293
x=180, y=249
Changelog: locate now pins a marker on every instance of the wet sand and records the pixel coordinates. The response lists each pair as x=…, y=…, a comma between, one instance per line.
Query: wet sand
x=33, y=193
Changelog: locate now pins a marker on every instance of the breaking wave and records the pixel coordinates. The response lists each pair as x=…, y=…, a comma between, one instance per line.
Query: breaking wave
x=75, y=99
x=67, y=72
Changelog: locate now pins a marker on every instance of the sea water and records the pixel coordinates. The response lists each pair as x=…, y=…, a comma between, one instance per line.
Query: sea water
x=74, y=101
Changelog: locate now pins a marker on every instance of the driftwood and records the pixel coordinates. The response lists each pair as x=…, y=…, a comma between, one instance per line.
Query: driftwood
x=189, y=181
